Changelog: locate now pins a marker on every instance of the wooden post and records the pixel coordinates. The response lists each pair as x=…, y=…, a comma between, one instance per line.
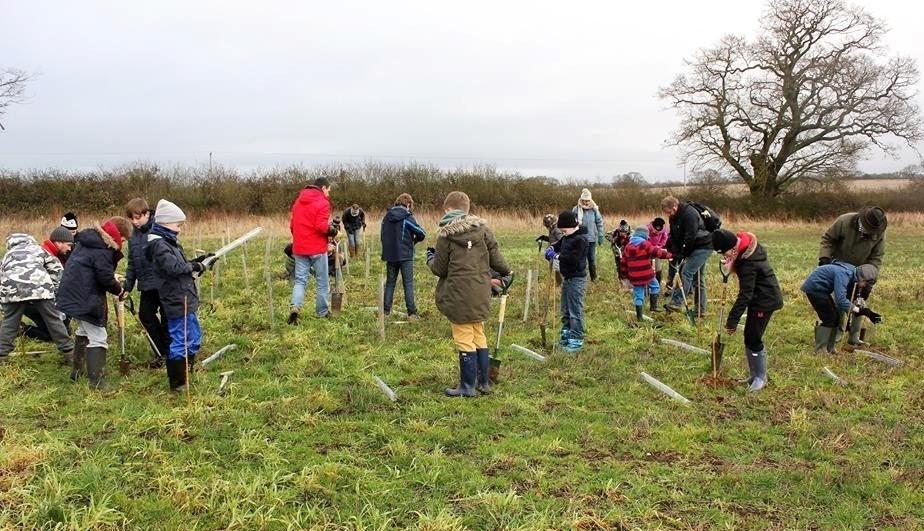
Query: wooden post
x=529, y=290
x=268, y=276
x=246, y=271
x=368, y=256
x=382, y=308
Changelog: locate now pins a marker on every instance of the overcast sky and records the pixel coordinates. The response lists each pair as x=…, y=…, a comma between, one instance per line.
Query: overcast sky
x=566, y=89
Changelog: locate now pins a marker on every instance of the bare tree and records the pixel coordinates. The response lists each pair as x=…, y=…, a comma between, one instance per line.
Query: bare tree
x=809, y=96
x=12, y=88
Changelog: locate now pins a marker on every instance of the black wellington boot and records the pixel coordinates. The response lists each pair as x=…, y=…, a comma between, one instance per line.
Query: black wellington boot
x=96, y=368
x=468, y=370
x=79, y=361
x=484, y=371
x=653, y=307
x=176, y=374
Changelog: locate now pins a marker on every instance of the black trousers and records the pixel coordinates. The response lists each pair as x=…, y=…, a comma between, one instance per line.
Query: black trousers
x=827, y=311
x=155, y=324
x=754, y=328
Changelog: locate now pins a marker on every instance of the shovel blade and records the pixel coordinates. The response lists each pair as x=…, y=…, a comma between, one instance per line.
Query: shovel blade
x=494, y=370
x=124, y=367
x=718, y=348
x=336, y=301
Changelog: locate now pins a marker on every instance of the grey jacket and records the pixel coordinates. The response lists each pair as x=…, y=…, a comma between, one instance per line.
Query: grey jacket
x=593, y=222
x=28, y=272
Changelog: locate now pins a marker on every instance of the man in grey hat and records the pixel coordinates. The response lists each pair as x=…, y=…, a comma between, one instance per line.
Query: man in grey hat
x=856, y=238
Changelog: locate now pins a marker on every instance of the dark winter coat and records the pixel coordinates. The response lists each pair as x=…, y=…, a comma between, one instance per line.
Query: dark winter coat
x=139, y=269
x=844, y=242
x=466, y=252
x=758, y=288
x=687, y=232
x=572, y=254
x=310, y=222
x=400, y=232
x=175, y=274
x=836, y=279
x=353, y=223
x=88, y=275
x=28, y=272
x=637, y=257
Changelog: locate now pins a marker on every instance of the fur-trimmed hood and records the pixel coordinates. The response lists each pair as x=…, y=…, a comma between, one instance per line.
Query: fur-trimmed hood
x=96, y=237
x=749, y=251
x=460, y=225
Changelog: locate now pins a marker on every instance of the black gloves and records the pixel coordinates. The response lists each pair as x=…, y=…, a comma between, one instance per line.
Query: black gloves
x=201, y=258
x=198, y=267
x=824, y=260
x=542, y=238
x=874, y=317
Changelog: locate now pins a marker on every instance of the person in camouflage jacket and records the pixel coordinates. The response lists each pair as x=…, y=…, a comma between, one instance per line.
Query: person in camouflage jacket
x=29, y=278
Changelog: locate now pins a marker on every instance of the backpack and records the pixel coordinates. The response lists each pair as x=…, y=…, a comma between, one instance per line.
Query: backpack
x=711, y=220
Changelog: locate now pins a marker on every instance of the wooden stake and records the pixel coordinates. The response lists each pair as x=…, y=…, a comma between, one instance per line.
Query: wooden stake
x=382, y=308
x=368, y=256
x=529, y=290
x=268, y=277
x=246, y=271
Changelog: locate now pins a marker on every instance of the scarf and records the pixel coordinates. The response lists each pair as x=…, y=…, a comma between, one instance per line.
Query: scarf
x=165, y=233
x=451, y=216
x=581, y=208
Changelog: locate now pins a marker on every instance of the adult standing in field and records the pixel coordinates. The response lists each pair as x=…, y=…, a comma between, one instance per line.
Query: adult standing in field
x=589, y=217
x=310, y=227
x=400, y=232
x=691, y=244
x=354, y=222
x=857, y=238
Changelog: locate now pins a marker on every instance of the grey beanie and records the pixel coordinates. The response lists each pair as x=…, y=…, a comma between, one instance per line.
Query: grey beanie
x=167, y=212
x=868, y=272
x=60, y=234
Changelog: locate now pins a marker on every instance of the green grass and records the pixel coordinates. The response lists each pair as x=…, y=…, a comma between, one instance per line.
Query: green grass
x=306, y=439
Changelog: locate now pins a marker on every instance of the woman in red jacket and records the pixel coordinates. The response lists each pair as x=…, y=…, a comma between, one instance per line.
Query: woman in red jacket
x=310, y=226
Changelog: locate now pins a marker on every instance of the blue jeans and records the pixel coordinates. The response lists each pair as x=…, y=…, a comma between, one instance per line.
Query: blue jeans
x=353, y=238
x=317, y=263
x=406, y=268
x=572, y=306
x=638, y=292
x=695, y=263
x=184, y=339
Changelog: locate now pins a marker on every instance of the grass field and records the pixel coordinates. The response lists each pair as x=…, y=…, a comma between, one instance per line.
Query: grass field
x=306, y=440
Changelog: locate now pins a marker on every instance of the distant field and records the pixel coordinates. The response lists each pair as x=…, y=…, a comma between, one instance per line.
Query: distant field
x=307, y=441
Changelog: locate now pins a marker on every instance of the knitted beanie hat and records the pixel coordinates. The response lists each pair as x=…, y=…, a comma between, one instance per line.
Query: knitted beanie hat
x=567, y=220
x=69, y=221
x=723, y=240
x=60, y=234
x=585, y=195
x=167, y=212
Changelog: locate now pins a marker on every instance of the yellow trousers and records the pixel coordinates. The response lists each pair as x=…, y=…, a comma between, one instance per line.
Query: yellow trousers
x=469, y=336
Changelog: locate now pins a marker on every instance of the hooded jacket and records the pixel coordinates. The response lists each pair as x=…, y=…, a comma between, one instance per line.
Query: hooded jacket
x=572, y=254
x=139, y=269
x=28, y=272
x=174, y=273
x=466, y=252
x=353, y=223
x=658, y=239
x=310, y=222
x=636, y=259
x=836, y=279
x=844, y=242
x=399, y=233
x=89, y=274
x=592, y=221
x=758, y=287
x=688, y=232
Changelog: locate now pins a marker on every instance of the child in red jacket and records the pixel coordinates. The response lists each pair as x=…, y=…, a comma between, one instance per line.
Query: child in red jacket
x=636, y=260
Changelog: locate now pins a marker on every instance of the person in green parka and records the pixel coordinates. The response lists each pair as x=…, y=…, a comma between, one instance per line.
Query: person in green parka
x=856, y=238
x=465, y=254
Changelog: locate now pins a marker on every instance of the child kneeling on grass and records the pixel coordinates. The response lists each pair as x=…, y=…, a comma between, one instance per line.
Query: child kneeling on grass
x=637, y=258
x=758, y=293
x=466, y=252
x=571, y=254
x=177, y=290
x=88, y=276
